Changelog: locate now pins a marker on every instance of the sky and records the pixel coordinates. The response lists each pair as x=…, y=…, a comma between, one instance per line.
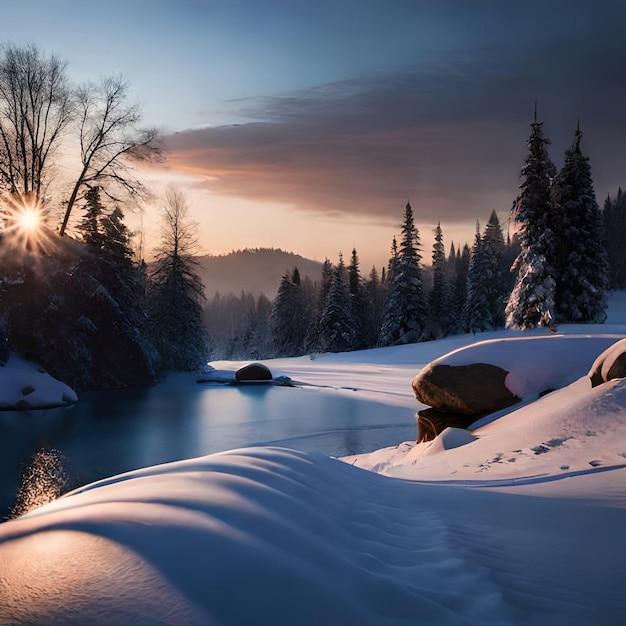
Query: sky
x=308, y=125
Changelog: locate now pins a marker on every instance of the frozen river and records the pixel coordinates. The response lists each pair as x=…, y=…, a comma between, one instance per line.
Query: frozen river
x=111, y=432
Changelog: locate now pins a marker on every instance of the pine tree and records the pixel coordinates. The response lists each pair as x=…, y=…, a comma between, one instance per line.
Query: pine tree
x=116, y=238
x=89, y=226
x=477, y=313
x=337, y=327
x=531, y=302
x=394, y=262
x=583, y=267
x=318, y=305
x=615, y=233
x=461, y=271
x=286, y=321
x=375, y=292
x=493, y=243
x=359, y=301
x=405, y=310
x=440, y=320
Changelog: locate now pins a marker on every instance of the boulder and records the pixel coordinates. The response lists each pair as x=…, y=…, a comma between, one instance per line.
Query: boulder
x=431, y=422
x=253, y=372
x=609, y=365
x=475, y=389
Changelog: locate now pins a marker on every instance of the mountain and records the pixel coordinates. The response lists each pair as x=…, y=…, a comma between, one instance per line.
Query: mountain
x=257, y=270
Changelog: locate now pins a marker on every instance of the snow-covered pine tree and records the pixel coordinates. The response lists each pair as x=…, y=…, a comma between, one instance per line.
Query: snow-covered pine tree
x=477, y=314
x=493, y=243
x=286, y=321
x=531, y=302
x=583, y=267
x=116, y=238
x=319, y=302
x=337, y=327
x=405, y=310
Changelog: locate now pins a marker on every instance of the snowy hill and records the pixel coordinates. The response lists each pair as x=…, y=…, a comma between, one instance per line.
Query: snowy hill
x=518, y=522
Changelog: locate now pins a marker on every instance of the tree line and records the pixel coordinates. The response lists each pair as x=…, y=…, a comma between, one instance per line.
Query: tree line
x=556, y=267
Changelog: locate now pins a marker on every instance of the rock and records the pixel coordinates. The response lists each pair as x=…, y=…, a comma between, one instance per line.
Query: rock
x=253, y=372
x=24, y=391
x=431, y=422
x=609, y=365
x=475, y=389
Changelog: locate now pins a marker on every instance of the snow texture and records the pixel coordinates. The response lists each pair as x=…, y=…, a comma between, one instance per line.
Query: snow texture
x=518, y=522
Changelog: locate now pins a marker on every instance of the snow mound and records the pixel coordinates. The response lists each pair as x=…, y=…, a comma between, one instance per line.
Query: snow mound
x=535, y=364
x=570, y=443
x=26, y=385
x=271, y=536
x=449, y=439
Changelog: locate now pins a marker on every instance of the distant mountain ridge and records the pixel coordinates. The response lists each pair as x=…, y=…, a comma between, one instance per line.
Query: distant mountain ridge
x=253, y=270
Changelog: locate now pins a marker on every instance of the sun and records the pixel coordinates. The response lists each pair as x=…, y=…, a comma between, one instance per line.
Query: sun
x=24, y=228
x=29, y=220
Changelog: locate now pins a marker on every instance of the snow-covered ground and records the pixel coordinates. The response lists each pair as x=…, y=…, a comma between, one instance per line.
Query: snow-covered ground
x=520, y=521
x=25, y=385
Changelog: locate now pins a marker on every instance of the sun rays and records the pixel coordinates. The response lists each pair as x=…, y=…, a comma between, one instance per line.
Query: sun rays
x=29, y=220
x=23, y=225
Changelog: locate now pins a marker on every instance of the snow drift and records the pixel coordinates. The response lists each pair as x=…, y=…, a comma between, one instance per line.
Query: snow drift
x=272, y=536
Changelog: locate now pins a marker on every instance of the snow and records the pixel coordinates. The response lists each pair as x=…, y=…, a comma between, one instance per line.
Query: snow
x=518, y=522
x=564, y=359
x=25, y=385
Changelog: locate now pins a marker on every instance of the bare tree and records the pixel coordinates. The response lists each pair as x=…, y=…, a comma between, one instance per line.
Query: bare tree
x=35, y=109
x=177, y=233
x=176, y=290
x=110, y=141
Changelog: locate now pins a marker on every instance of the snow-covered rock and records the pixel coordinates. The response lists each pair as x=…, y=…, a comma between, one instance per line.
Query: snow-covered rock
x=473, y=389
x=24, y=385
x=253, y=372
x=535, y=363
x=610, y=364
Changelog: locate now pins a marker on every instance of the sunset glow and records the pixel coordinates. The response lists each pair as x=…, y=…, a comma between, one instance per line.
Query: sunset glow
x=29, y=219
x=309, y=117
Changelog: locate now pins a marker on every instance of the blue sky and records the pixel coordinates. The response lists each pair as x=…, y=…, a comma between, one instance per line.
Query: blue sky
x=307, y=125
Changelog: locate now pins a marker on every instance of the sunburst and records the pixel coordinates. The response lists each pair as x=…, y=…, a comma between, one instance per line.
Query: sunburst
x=29, y=220
x=24, y=224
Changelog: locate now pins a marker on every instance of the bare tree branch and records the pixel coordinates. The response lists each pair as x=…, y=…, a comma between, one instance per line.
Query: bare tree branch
x=35, y=109
x=110, y=141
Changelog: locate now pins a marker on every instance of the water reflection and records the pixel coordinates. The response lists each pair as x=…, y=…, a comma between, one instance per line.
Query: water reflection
x=111, y=432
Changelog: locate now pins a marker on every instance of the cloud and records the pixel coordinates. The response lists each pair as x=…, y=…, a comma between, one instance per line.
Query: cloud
x=447, y=132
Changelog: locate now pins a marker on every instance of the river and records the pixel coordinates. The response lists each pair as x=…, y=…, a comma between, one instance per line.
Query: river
x=110, y=432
